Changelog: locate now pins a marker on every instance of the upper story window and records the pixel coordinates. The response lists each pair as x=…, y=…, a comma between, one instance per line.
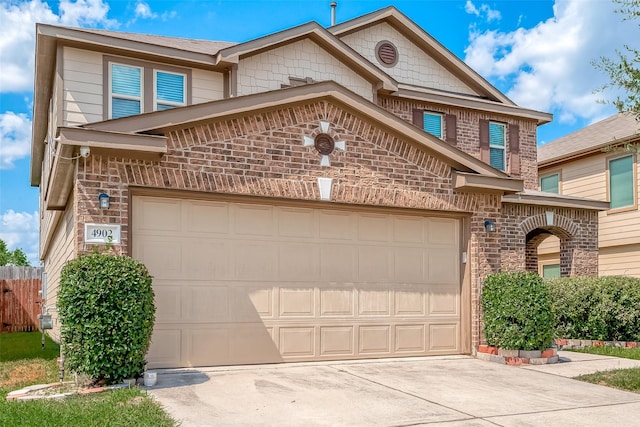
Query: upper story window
x=126, y=90
x=136, y=88
x=432, y=123
x=550, y=183
x=497, y=139
x=622, y=182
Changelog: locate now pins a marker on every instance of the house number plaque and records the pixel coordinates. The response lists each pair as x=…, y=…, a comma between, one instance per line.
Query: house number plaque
x=102, y=233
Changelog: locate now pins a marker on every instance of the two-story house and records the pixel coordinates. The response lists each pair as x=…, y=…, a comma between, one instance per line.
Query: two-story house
x=598, y=162
x=315, y=194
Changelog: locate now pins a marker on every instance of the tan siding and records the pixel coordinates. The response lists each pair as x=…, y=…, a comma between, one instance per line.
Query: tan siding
x=83, y=88
x=60, y=251
x=549, y=245
x=621, y=228
x=414, y=66
x=269, y=70
x=585, y=178
x=207, y=86
x=621, y=260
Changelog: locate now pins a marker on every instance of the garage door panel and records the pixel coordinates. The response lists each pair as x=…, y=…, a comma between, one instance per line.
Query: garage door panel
x=337, y=303
x=375, y=302
x=297, y=341
x=375, y=264
x=375, y=339
x=337, y=341
x=241, y=283
x=166, y=348
x=298, y=261
x=207, y=217
x=410, y=303
x=254, y=260
x=253, y=220
x=444, y=337
x=410, y=338
x=297, y=302
x=338, y=263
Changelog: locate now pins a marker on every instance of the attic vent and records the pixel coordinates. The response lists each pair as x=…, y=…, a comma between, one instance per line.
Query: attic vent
x=324, y=144
x=387, y=53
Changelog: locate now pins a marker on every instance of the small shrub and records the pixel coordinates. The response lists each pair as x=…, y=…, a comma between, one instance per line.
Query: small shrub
x=107, y=312
x=596, y=308
x=516, y=310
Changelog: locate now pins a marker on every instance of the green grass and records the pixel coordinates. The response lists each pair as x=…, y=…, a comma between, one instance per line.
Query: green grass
x=23, y=363
x=625, y=379
x=626, y=353
x=26, y=345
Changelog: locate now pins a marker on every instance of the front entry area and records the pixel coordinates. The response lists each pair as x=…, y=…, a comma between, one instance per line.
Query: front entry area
x=244, y=282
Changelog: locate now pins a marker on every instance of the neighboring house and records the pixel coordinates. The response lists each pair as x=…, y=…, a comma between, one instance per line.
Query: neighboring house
x=599, y=162
x=314, y=194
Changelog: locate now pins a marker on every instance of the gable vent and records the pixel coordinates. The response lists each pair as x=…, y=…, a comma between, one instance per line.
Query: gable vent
x=387, y=53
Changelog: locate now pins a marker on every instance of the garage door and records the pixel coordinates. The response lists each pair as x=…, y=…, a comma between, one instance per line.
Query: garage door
x=242, y=283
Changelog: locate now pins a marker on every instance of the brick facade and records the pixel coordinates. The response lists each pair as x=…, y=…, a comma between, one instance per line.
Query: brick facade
x=468, y=128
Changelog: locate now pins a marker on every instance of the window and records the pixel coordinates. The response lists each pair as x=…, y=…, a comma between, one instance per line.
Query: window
x=169, y=90
x=550, y=183
x=126, y=90
x=135, y=88
x=433, y=124
x=551, y=271
x=497, y=145
x=621, y=182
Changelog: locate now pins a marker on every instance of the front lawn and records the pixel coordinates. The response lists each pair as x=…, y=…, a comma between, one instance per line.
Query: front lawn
x=625, y=379
x=23, y=362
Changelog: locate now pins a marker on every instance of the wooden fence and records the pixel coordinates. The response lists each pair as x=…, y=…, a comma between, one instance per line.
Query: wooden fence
x=20, y=303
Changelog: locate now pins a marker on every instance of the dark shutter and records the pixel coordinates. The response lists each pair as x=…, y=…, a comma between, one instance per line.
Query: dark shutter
x=514, y=149
x=418, y=118
x=451, y=130
x=484, y=141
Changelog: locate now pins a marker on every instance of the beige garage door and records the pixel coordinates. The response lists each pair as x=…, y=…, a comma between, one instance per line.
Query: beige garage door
x=241, y=283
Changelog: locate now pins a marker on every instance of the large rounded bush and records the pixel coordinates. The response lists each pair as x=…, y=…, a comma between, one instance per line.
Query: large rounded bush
x=516, y=309
x=107, y=313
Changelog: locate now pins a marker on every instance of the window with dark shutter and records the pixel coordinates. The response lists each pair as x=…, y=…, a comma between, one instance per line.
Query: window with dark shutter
x=451, y=129
x=484, y=140
x=514, y=149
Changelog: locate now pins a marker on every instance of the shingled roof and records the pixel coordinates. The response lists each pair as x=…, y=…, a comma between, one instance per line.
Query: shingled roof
x=616, y=129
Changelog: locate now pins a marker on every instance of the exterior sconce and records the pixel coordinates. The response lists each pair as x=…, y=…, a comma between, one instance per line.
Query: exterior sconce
x=103, y=198
x=490, y=226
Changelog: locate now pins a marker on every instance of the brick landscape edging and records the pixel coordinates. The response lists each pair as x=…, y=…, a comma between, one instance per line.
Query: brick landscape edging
x=517, y=357
x=571, y=344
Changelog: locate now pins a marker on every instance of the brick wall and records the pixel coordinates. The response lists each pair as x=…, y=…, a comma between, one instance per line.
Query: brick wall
x=468, y=130
x=264, y=155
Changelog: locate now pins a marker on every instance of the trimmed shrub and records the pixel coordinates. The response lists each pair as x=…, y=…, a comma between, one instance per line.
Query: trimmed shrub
x=516, y=309
x=596, y=308
x=107, y=312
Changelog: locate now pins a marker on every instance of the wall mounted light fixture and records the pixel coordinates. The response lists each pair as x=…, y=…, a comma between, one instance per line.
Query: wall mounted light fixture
x=490, y=226
x=103, y=198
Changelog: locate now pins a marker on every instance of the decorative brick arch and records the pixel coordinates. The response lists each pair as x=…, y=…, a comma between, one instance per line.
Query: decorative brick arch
x=560, y=224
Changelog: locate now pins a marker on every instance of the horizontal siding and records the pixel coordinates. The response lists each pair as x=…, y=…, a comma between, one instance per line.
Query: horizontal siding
x=621, y=228
x=620, y=260
x=549, y=245
x=207, y=86
x=60, y=251
x=83, y=87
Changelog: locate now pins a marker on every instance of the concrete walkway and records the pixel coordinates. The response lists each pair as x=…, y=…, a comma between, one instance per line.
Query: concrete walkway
x=434, y=391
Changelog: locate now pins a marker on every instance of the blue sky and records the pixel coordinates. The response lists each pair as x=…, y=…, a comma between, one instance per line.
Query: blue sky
x=538, y=52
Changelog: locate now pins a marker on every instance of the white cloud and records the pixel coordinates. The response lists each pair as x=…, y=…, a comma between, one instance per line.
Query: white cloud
x=20, y=230
x=15, y=138
x=17, y=34
x=485, y=10
x=144, y=11
x=548, y=67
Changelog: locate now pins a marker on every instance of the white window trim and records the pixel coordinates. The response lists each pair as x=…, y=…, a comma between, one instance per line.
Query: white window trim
x=634, y=205
x=500, y=147
x=155, y=89
x=547, y=175
x=129, y=97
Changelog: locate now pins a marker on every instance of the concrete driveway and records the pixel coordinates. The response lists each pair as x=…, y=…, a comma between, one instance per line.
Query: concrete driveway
x=448, y=391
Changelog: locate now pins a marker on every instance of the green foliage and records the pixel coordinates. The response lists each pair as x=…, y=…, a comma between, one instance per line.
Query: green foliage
x=625, y=353
x=516, y=309
x=624, y=379
x=15, y=257
x=27, y=345
x=623, y=70
x=596, y=308
x=107, y=312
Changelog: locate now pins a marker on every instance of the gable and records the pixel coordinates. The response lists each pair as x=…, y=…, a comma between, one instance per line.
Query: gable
x=413, y=67
x=302, y=59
